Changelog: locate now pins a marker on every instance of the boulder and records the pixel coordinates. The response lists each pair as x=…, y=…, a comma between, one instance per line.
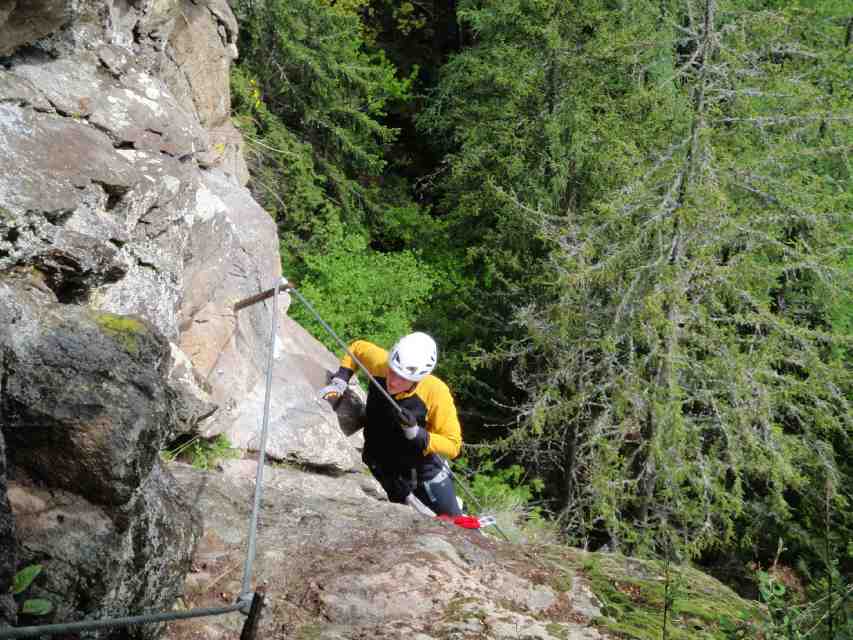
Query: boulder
x=85, y=403
x=100, y=562
x=23, y=22
x=302, y=427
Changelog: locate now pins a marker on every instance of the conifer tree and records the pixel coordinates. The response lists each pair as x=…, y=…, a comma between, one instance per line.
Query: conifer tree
x=311, y=98
x=688, y=163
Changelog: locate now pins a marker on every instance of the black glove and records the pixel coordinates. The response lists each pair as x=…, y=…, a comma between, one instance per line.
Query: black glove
x=407, y=419
x=418, y=438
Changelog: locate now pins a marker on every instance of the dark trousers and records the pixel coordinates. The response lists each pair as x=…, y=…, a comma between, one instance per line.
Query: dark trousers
x=437, y=493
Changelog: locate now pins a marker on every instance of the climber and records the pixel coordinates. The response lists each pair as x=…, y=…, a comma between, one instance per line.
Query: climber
x=404, y=447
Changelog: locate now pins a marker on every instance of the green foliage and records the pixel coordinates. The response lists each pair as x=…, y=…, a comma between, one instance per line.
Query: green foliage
x=633, y=594
x=362, y=293
x=788, y=618
x=681, y=360
x=310, y=98
x=509, y=494
x=638, y=223
x=285, y=177
x=496, y=115
x=202, y=453
x=22, y=581
x=500, y=488
x=36, y=607
x=314, y=74
x=24, y=578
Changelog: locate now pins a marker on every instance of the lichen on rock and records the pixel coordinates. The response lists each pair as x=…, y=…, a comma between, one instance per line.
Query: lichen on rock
x=125, y=329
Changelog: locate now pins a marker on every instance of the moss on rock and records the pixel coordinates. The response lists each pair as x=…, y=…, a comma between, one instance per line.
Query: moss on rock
x=632, y=594
x=125, y=329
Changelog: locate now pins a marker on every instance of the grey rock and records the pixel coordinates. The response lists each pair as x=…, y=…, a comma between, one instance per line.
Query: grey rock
x=157, y=19
x=135, y=108
x=47, y=162
x=584, y=600
x=108, y=563
x=23, y=23
x=301, y=428
x=362, y=567
x=141, y=110
x=202, y=60
x=8, y=549
x=72, y=85
x=232, y=254
x=221, y=10
x=226, y=148
x=21, y=92
x=157, y=213
x=156, y=547
x=85, y=404
x=192, y=405
x=116, y=59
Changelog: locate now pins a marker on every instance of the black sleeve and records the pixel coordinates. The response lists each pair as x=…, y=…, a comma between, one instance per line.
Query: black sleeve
x=344, y=374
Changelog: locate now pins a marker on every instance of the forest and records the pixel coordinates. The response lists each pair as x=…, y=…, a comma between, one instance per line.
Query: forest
x=629, y=226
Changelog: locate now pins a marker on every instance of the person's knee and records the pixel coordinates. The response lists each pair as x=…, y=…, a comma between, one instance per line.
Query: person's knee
x=443, y=498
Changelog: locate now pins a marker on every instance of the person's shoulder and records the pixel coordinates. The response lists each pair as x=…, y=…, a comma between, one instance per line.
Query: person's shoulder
x=433, y=387
x=366, y=346
x=365, y=343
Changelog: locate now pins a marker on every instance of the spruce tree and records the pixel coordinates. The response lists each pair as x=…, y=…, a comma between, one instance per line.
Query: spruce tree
x=686, y=377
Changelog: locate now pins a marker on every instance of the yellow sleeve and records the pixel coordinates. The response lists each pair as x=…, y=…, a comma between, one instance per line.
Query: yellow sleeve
x=445, y=433
x=373, y=357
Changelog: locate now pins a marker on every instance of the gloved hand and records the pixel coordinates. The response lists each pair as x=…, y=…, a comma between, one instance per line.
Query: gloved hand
x=334, y=390
x=409, y=424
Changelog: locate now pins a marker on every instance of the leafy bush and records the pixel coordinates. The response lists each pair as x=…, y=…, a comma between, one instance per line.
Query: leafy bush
x=23, y=579
x=202, y=454
x=362, y=293
x=506, y=493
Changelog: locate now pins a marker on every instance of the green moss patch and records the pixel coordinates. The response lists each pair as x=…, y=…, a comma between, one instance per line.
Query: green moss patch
x=124, y=329
x=312, y=631
x=632, y=593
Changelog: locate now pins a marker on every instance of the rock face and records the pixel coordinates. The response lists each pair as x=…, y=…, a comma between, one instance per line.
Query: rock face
x=7, y=546
x=233, y=254
x=100, y=183
x=85, y=405
x=86, y=408
x=338, y=564
x=25, y=22
x=126, y=237
x=101, y=562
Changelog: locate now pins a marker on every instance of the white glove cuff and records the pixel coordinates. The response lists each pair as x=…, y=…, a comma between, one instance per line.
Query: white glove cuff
x=410, y=432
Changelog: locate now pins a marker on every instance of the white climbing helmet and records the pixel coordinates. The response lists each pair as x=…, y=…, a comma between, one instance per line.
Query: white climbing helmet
x=414, y=356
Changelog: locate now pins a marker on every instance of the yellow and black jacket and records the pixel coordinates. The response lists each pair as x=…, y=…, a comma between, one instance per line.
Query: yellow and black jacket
x=429, y=401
